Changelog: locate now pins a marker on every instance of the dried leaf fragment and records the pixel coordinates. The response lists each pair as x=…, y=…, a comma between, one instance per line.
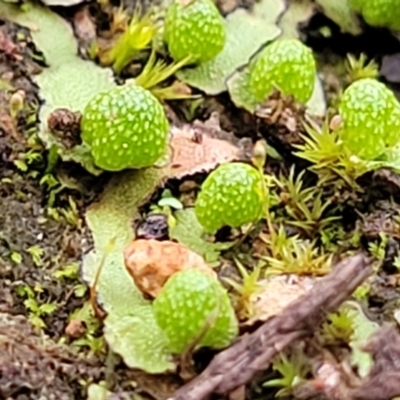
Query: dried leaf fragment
x=194, y=152
x=151, y=263
x=276, y=293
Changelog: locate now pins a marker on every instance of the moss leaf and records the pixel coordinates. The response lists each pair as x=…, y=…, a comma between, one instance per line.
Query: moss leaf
x=189, y=232
x=129, y=316
x=246, y=33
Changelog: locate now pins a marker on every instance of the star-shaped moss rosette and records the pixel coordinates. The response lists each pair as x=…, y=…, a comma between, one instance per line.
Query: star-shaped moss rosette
x=232, y=195
x=194, y=310
x=125, y=128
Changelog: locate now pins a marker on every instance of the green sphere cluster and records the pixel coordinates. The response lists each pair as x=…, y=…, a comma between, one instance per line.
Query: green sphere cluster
x=285, y=64
x=230, y=196
x=194, y=28
x=188, y=302
x=125, y=127
x=371, y=118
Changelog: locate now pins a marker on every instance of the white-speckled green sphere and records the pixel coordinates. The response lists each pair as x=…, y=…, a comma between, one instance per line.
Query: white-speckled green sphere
x=230, y=196
x=285, y=64
x=371, y=118
x=379, y=13
x=125, y=128
x=194, y=28
x=188, y=301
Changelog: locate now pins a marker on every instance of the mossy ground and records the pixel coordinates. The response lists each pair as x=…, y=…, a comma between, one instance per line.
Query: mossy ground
x=41, y=231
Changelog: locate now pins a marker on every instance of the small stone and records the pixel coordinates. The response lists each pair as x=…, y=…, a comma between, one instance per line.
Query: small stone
x=75, y=329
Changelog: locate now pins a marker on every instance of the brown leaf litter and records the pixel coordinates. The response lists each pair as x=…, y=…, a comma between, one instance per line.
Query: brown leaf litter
x=194, y=151
x=275, y=294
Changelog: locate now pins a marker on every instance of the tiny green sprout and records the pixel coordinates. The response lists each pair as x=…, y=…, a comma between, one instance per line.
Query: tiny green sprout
x=358, y=68
x=396, y=262
x=36, y=311
x=120, y=20
x=338, y=327
x=293, y=368
x=91, y=338
x=170, y=202
x=378, y=248
x=16, y=257
x=21, y=165
x=71, y=271
x=246, y=289
x=331, y=160
x=31, y=158
x=17, y=102
x=80, y=290
x=125, y=128
x=136, y=38
x=37, y=253
x=71, y=213
x=165, y=205
x=363, y=291
x=292, y=255
x=157, y=71
x=305, y=206
x=194, y=28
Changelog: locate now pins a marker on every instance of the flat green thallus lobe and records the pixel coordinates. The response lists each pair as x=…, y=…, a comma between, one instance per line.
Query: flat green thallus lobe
x=286, y=64
x=125, y=128
x=371, y=118
x=193, y=303
x=230, y=196
x=194, y=28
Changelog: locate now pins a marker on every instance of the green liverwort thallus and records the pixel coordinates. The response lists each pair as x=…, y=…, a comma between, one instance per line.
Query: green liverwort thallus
x=194, y=308
x=194, y=28
x=287, y=65
x=371, y=118
x=125, y=128
x=230, y=196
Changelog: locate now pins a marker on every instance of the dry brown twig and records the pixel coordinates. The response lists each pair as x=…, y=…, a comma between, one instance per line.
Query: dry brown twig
x=252, y=353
